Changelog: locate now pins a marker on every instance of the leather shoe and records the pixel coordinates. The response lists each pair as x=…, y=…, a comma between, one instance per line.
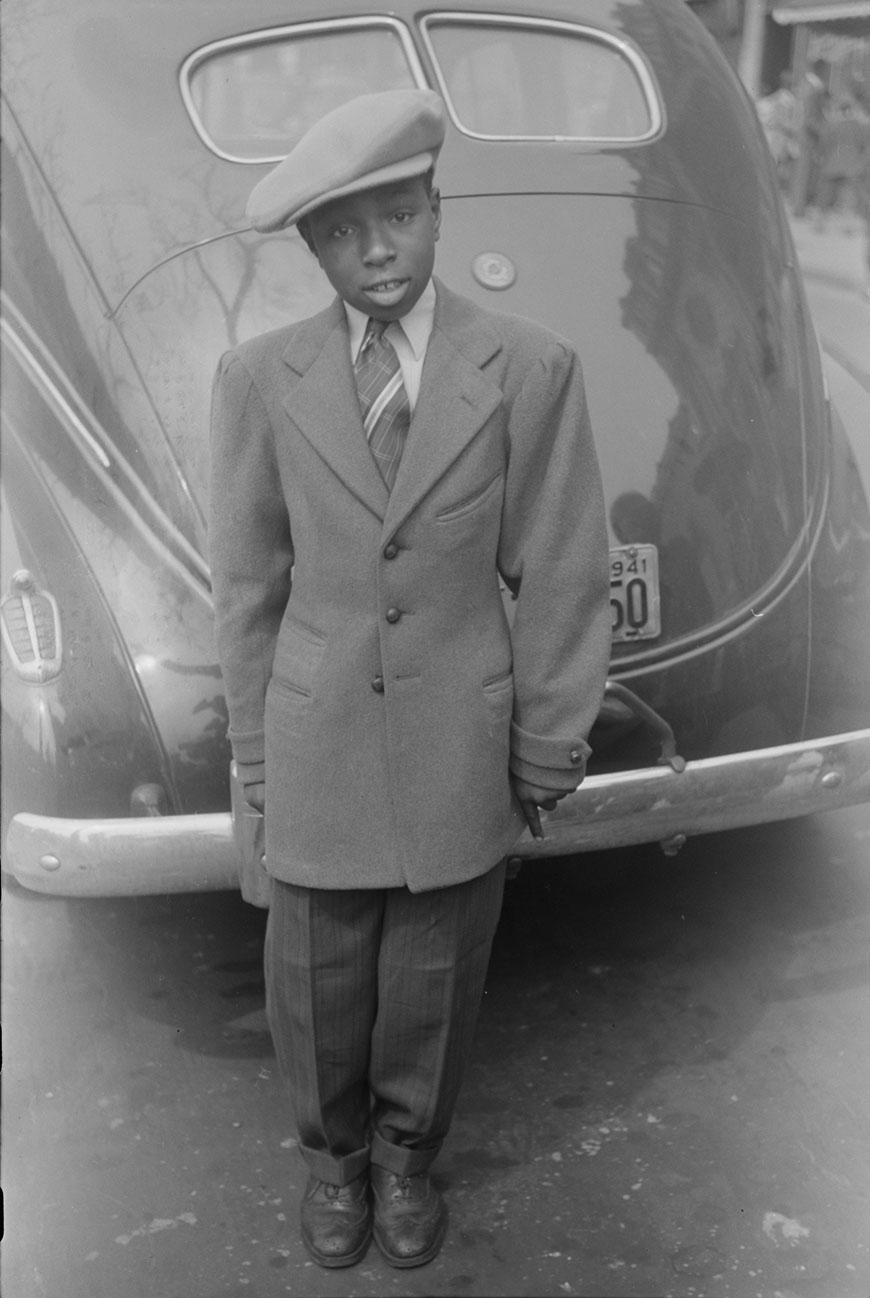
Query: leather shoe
x=337, y=1221
x=410, y=1217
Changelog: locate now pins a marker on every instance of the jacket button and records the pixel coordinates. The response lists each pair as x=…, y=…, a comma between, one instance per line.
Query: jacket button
x=393, y=615
x=391, y=550
x=378, y=685
x=577, y=756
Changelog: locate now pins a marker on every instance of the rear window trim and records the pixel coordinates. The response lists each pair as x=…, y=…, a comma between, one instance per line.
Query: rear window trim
x=267, y=35
x=618, y=43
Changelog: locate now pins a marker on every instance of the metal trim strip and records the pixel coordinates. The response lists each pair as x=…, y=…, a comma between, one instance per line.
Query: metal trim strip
x=787, y=15
x=62, y=398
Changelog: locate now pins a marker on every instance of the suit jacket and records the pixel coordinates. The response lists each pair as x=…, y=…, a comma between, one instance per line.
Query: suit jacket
x=366, y=651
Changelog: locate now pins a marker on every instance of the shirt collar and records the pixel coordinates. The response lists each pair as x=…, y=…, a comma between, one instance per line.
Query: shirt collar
x=416, y=325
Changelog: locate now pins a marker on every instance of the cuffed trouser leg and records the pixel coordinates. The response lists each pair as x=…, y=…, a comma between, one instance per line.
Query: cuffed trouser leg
x=434, y=956
x=321, y=999
x=372, y=997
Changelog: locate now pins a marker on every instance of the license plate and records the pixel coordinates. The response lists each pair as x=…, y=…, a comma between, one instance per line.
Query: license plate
x=634, y=593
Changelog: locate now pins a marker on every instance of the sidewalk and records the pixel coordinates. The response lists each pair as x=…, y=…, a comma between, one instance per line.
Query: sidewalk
x=833, y=261
x=836, y=253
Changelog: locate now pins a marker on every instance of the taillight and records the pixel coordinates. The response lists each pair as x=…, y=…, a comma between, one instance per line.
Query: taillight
x=30, y=624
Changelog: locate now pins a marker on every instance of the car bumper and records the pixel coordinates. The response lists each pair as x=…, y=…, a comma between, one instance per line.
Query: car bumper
x=135, y=856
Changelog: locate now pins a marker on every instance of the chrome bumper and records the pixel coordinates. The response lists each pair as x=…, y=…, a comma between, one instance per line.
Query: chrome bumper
x=658, y=804
x=128, y=857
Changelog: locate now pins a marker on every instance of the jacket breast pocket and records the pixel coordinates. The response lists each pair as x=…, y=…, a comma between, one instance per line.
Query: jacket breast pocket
x=475, y=500
x=298, y=654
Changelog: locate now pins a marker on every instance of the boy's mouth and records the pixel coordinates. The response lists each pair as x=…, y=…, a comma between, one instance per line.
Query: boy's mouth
x=386, y=292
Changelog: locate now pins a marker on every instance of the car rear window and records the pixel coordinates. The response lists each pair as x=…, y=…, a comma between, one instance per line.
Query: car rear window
x=515, y=78
x=252, y=97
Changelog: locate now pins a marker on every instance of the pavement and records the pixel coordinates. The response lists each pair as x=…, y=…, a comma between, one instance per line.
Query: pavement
x=834, y=255
x=834, y=251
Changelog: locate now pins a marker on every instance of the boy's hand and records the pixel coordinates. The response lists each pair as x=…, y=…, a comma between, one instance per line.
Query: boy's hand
x=533, y=796
x=255, y=796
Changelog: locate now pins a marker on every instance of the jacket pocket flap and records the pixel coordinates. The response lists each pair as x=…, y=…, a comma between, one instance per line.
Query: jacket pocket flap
x=297, y=655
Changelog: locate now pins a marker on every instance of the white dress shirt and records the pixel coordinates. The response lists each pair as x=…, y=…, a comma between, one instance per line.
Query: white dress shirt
x=409, y=336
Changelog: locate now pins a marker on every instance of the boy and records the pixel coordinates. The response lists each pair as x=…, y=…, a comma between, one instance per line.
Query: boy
x=374, y=469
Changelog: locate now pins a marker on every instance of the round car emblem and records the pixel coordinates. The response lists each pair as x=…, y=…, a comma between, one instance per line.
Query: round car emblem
x=494, y=270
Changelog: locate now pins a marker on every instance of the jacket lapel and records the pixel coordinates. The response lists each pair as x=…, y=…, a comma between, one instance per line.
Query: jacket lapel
x=455, y=401
x=324, y=407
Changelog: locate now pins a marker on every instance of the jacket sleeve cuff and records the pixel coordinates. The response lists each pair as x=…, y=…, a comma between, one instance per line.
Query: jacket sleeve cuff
x=250, y=773
x=249, y=746
x=567, y=756
x=548, y=777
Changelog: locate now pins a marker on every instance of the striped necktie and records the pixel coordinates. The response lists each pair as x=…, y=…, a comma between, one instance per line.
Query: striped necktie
x=383, y=400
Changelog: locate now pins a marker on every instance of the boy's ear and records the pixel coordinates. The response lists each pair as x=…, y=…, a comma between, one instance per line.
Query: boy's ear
x=435, y=204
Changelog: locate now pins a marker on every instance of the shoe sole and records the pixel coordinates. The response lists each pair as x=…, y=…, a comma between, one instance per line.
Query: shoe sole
x=419, y=1259
x=332, y=1262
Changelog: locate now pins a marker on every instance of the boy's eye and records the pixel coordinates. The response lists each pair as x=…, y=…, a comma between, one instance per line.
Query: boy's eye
x=402, y=216
x=340, y=232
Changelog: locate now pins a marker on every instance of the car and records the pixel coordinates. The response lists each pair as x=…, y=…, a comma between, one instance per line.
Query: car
x=604, y=173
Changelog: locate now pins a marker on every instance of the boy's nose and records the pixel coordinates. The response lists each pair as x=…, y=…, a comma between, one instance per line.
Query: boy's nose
x=378, y=249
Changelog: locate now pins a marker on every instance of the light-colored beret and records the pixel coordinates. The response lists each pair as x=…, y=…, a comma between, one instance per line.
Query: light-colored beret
x=371, y=140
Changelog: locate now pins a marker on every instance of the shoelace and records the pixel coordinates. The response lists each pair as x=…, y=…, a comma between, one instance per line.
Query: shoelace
x=403, y=1187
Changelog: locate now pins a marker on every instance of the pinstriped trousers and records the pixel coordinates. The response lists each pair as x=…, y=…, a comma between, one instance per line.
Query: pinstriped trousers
x=372, y=997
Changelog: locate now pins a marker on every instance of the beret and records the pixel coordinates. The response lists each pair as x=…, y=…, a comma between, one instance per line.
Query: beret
x=371, y=140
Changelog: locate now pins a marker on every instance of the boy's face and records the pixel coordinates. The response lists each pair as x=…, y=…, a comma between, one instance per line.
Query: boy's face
x=377, y=247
